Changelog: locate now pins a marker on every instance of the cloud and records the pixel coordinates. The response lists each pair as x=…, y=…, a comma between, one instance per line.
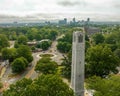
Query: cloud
x=28, y=7
x=116, y=5
x=68, y=3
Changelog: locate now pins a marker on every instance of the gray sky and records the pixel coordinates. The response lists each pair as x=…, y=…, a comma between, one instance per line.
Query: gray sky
x=72, y=7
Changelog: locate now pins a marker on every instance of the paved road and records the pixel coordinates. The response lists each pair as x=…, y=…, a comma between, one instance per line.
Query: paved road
x=52, y=50
x=30, y=73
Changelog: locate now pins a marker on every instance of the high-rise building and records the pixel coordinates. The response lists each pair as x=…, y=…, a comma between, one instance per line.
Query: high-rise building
x=77, y=73
x=88, y=19
x=74, y=21
x=63, y=21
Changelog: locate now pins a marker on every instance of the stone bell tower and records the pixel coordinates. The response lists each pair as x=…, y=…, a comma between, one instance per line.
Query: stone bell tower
x=78, y=57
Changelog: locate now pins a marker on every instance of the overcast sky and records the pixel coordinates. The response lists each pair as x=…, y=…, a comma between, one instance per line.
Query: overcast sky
x=76, y=7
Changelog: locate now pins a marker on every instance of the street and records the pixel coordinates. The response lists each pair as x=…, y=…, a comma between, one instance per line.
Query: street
x=9, y=78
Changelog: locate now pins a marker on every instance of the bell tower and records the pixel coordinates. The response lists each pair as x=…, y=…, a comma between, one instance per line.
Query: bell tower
x=78, y=57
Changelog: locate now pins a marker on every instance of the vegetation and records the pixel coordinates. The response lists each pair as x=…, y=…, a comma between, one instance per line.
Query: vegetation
x=19, y=65
x=101, y=61
x=25, y=51
x=46, y=55
x=98, y=38
x=67, y=61
x=64, y=43
x=64, y=47
x=44, y=85
x=3, y=41
x=44, y=45
x=22, y=40
x=105, y=87
x=46, y=66
x=9, y=53
x=1, y=85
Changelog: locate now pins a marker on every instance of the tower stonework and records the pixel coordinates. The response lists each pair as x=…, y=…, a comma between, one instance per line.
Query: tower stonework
x=78, y=57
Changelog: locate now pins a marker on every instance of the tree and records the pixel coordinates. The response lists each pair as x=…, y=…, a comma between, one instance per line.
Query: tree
x=110, y=39
x=3, y=41
x=46, y=66
x=105, y=87
x=67, y=61
x=45, y=45
x=98, y=38
x=64, y=47
x=22, y=40
x=54, y=85
x=19, y=64
x=53, y=34
x=25, y=51
x=44, y=85
x=18, y=88
x=5, y=53
x=1, y=85
x=66, y=38
x=101, y=61
x=117, y=52
x=32, y=33
x=86, y=37
x=87, y=45
x=10, y=54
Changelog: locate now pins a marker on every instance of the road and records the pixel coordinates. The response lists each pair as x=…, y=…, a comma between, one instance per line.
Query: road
x=57, y=57
x=29, y=73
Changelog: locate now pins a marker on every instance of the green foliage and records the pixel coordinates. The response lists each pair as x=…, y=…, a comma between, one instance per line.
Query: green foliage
x=42, y=33
x=22, y=40
x=45, y=45
x=113, y=40
x=3, y=41
x=1, y=85
x=33, y=48
x=105, y=87
x=10, y=54
x=46, y=66
x=53, y=34
x=5, y=53
x=86, y=37
x=87, y=45
x=110, y=39
x=46, y=55
x=67, y=61
x=19, y=64
x=64, y=44
x=25, y=51
x=18, y=88
x=44, y=85
x=98, y=38
x=117, y=52
x=101, y=61
x=66, y=38
x=64, y=47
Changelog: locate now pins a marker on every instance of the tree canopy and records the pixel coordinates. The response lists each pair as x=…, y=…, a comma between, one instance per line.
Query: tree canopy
x=25, y=51
x=44, y=85
x=46, y=66
x=98, y=38
x=105, y=87
x=22, y=40
x=44, y=45
x=9, y=53
x=19, y=64
x=101, y=61
x=3, y=41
